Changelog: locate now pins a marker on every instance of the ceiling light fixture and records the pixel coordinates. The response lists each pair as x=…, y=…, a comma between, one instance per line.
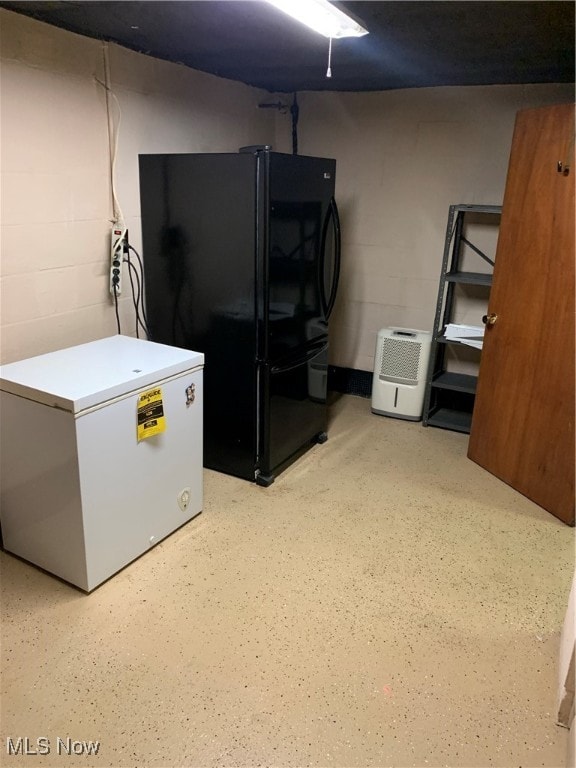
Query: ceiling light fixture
x=321, y=16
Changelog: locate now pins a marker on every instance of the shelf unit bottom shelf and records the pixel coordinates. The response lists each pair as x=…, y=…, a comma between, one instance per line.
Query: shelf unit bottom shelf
x=457, y=382
x=448, y=418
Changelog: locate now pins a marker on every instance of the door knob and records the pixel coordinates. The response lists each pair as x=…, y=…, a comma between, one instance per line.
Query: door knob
x=489, y=319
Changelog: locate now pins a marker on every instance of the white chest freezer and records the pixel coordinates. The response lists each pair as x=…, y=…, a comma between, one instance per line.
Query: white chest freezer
x=101, y=454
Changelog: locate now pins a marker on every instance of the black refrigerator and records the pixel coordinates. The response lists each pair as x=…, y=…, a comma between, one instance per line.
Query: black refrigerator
x=241, y=262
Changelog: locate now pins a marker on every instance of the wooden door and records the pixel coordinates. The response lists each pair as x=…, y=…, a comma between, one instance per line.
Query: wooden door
x=523, y=421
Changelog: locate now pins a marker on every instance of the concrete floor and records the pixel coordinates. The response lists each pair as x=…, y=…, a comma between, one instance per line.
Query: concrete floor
x=385, y=603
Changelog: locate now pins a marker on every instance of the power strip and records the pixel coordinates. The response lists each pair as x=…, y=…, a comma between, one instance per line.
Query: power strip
x=118, y=246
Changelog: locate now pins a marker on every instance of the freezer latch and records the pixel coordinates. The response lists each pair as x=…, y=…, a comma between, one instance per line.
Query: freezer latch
x=190, y=394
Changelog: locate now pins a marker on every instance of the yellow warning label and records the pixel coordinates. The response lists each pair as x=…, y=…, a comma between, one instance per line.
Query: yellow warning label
x=151, y=419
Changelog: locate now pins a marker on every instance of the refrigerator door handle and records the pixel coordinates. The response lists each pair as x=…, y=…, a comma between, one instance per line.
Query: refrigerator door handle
x=331, y=215
x=293, y=362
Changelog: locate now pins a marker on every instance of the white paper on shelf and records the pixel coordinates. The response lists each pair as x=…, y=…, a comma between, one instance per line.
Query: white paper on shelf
x=453, y=329
x=471, y=335
x=470, y=342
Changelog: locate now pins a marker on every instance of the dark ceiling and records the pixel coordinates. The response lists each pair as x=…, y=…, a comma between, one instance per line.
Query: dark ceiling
x=411, y=44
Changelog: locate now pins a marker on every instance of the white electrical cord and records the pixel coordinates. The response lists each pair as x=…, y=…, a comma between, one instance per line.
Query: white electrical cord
x=113, y=133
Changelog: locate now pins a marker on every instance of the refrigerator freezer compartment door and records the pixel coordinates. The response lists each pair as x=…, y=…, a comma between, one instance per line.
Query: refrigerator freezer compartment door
x=300, y=356
x=90, y=374
x=296, y=407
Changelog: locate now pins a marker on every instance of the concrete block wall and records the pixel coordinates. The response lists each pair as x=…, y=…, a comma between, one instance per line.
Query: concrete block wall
x=55, y=170
x=402, y=158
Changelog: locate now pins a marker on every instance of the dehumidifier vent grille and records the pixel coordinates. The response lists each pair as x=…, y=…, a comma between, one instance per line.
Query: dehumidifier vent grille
x=400, y=360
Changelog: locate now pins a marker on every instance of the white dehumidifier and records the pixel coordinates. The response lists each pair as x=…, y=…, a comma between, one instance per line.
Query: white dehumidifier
x=400, y=367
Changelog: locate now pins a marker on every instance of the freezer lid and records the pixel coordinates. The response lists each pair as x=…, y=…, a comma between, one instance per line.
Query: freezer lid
x=90, y=374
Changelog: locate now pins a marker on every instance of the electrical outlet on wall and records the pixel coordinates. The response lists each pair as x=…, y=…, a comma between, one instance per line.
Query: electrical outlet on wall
x=118, y=246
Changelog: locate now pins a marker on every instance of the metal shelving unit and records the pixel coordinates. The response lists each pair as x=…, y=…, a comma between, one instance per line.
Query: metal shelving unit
x=449, y=398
